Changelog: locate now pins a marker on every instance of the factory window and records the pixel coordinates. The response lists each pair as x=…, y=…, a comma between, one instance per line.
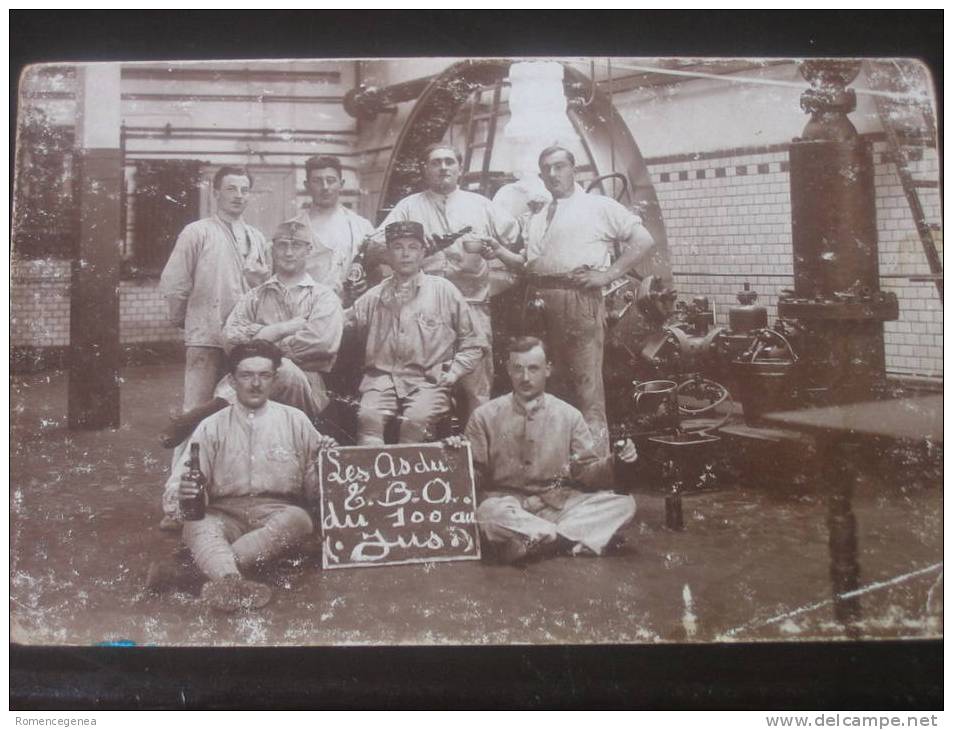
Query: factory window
x=164, y=198
x=45, y=223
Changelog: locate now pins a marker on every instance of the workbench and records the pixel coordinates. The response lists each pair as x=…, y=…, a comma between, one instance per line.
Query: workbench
x=840, y=433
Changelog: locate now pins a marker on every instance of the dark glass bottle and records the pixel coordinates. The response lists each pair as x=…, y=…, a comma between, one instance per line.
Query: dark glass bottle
x=193, y=508
x=443, y=241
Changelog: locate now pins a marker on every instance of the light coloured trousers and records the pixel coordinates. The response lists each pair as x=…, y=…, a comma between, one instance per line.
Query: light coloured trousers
x=204, y=366
x=239, y=532
x=575, y=339
x=473, y=390
x=417, y=414
x=587, y=518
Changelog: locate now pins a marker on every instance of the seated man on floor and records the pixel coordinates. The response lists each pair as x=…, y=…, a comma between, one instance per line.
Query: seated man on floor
x=258, y=458
x=420, y=342
x=537, y=470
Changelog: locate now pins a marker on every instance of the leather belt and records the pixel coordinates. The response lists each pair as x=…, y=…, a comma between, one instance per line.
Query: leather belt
x=551, y=281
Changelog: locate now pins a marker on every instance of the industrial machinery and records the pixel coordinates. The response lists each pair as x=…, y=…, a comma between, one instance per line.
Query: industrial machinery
x=673, y=376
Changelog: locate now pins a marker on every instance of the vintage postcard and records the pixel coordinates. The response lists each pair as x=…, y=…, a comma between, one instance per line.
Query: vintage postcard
x=477, y=351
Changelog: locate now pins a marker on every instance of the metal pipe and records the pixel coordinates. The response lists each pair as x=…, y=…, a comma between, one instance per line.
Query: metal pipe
x=241, y=130
x=763, y=82
x=366, y=102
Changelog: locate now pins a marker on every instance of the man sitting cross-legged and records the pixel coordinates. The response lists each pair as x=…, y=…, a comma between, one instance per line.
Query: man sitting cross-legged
x=258, y=457
x=537, y=471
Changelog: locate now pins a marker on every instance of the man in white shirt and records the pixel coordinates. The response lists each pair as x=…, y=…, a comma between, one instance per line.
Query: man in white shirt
x=336, y=233
x=214, y=262
x=569, y=246
x=539, y=481
x=258, y=458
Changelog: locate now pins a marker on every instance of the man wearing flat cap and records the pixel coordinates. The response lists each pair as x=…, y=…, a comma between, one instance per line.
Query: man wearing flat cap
x=421, y=340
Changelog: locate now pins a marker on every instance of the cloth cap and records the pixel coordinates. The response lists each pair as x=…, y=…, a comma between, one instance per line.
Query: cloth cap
x=292, y=231
x=404, y=229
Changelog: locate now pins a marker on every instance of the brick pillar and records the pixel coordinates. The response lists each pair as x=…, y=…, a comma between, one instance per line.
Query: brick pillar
x=93, y=393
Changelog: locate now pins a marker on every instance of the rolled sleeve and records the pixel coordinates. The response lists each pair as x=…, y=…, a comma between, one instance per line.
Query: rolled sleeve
x=504, y=227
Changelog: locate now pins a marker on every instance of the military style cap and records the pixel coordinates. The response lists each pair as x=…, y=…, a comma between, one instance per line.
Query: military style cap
x=404, y=229
x=292, y=231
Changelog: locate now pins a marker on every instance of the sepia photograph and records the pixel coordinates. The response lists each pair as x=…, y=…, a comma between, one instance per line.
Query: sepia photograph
x=476, y=351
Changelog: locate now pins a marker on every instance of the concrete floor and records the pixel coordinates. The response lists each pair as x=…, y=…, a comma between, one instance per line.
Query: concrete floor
x=751, y=565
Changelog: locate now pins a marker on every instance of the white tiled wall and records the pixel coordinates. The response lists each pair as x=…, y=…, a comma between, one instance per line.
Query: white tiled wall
x=728, y=220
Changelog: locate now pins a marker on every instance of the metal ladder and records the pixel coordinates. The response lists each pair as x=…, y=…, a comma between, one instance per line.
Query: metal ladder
x=477, y=117
x=909, y=125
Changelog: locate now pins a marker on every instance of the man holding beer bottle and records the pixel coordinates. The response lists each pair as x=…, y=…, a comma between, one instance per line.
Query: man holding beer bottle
x=541, y=484
x=336, y=233
x=257, y=458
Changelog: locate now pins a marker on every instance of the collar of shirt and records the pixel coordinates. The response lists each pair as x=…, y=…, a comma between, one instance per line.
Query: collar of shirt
x=248, y=413
x=440, y=197
x=576, y=190
x=231, y=224
x=394, y=292
x=528, y=409
x=276, y=283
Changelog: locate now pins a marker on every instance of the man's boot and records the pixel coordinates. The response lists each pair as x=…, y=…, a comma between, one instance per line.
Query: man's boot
x=180, y=427
x=234, y=593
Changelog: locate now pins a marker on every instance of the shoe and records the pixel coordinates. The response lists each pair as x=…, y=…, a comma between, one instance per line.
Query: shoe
x=517, y=551
x=234, y=593
x=511, y=552
x=169, y=575
x=581, y=551
x=170, y=524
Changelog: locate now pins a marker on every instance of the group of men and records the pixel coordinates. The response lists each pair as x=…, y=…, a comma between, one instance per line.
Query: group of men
x=263, y=326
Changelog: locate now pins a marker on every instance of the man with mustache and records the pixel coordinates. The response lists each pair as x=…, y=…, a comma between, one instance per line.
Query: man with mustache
x=538, y=475
x=258, y=458
x=568, y=260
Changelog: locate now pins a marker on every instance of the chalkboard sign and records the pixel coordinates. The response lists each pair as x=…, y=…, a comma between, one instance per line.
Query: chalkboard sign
x=386, y=505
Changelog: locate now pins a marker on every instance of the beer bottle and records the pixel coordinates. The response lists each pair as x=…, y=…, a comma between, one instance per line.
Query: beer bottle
x=442, y=241
x=193, y=508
